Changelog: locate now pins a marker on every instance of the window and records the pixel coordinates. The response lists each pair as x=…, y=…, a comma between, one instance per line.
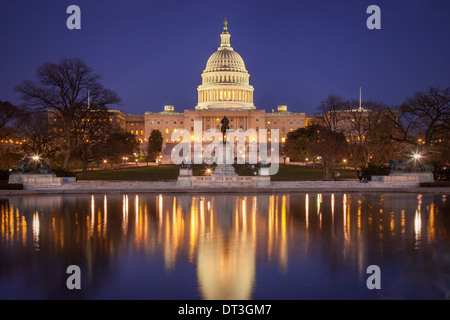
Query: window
x=181, y=122
x=158, y=122
x=132, y=131
x=142, y=132
x=268, y=122
x=167, y=130
x=257, y=119
x=174, y=122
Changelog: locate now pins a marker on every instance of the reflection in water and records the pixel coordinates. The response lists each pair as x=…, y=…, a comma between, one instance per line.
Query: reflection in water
x=238, y=244
x=418, y=223
x=36, y=230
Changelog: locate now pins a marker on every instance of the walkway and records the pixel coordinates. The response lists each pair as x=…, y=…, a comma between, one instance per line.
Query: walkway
x=101, y=187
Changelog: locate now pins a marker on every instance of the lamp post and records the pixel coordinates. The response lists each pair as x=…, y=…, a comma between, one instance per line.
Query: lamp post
x=345, y=163
x=104, y=164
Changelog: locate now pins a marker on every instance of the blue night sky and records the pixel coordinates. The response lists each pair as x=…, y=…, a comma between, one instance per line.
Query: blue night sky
x=297, y=52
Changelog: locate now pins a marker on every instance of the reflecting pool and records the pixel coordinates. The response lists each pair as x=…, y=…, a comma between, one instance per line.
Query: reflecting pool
x=225, y=246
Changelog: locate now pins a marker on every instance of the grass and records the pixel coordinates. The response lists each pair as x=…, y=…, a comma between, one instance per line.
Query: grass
x=170, y=173
x=150, y=173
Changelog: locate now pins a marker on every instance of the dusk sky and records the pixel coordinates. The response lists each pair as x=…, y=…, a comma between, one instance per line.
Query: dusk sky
x=297, y=52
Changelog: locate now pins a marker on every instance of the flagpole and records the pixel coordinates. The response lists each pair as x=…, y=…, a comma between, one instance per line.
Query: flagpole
x=360, y=108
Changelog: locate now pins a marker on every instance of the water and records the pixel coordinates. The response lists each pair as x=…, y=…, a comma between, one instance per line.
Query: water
x=245, y=246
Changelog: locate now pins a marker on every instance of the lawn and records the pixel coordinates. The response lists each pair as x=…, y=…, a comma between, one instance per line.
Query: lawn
x=170, y=173
x=150, y=173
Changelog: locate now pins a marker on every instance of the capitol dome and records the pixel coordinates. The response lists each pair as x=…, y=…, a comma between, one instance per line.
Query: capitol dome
x=225, y=60
x=225, y=80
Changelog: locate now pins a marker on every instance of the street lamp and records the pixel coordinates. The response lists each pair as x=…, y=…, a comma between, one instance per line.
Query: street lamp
x=345, y=162
x=104, y=163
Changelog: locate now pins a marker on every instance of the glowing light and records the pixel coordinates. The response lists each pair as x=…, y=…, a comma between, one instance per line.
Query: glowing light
x=416, y=156
x=36, y=229
x=35, y=158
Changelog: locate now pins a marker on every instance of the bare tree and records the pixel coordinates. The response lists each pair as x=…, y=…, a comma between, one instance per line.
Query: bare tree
x=8, y=116
x=331, y=112
x=330, y=138
x=95, y=130
x=37, y=134
x=423, y=121
x=364, y=129
x=69, y=92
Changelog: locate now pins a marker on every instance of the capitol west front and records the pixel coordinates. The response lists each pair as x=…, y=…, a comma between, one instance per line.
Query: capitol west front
x=225, y=91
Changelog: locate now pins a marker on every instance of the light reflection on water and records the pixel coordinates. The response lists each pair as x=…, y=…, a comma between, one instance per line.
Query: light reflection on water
x=287, y=246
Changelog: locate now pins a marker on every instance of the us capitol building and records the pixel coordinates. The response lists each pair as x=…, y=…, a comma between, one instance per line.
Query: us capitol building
x=225, y=91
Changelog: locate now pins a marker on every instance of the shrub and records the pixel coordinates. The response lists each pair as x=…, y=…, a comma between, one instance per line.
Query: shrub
x=440, y=184
x=374, y=170
x=4, y=175
x=11, y=186
x=63, y=173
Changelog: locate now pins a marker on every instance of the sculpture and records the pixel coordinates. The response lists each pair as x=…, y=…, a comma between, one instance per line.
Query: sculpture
x=224, y=127
x=32, y=165
x=409, y=166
